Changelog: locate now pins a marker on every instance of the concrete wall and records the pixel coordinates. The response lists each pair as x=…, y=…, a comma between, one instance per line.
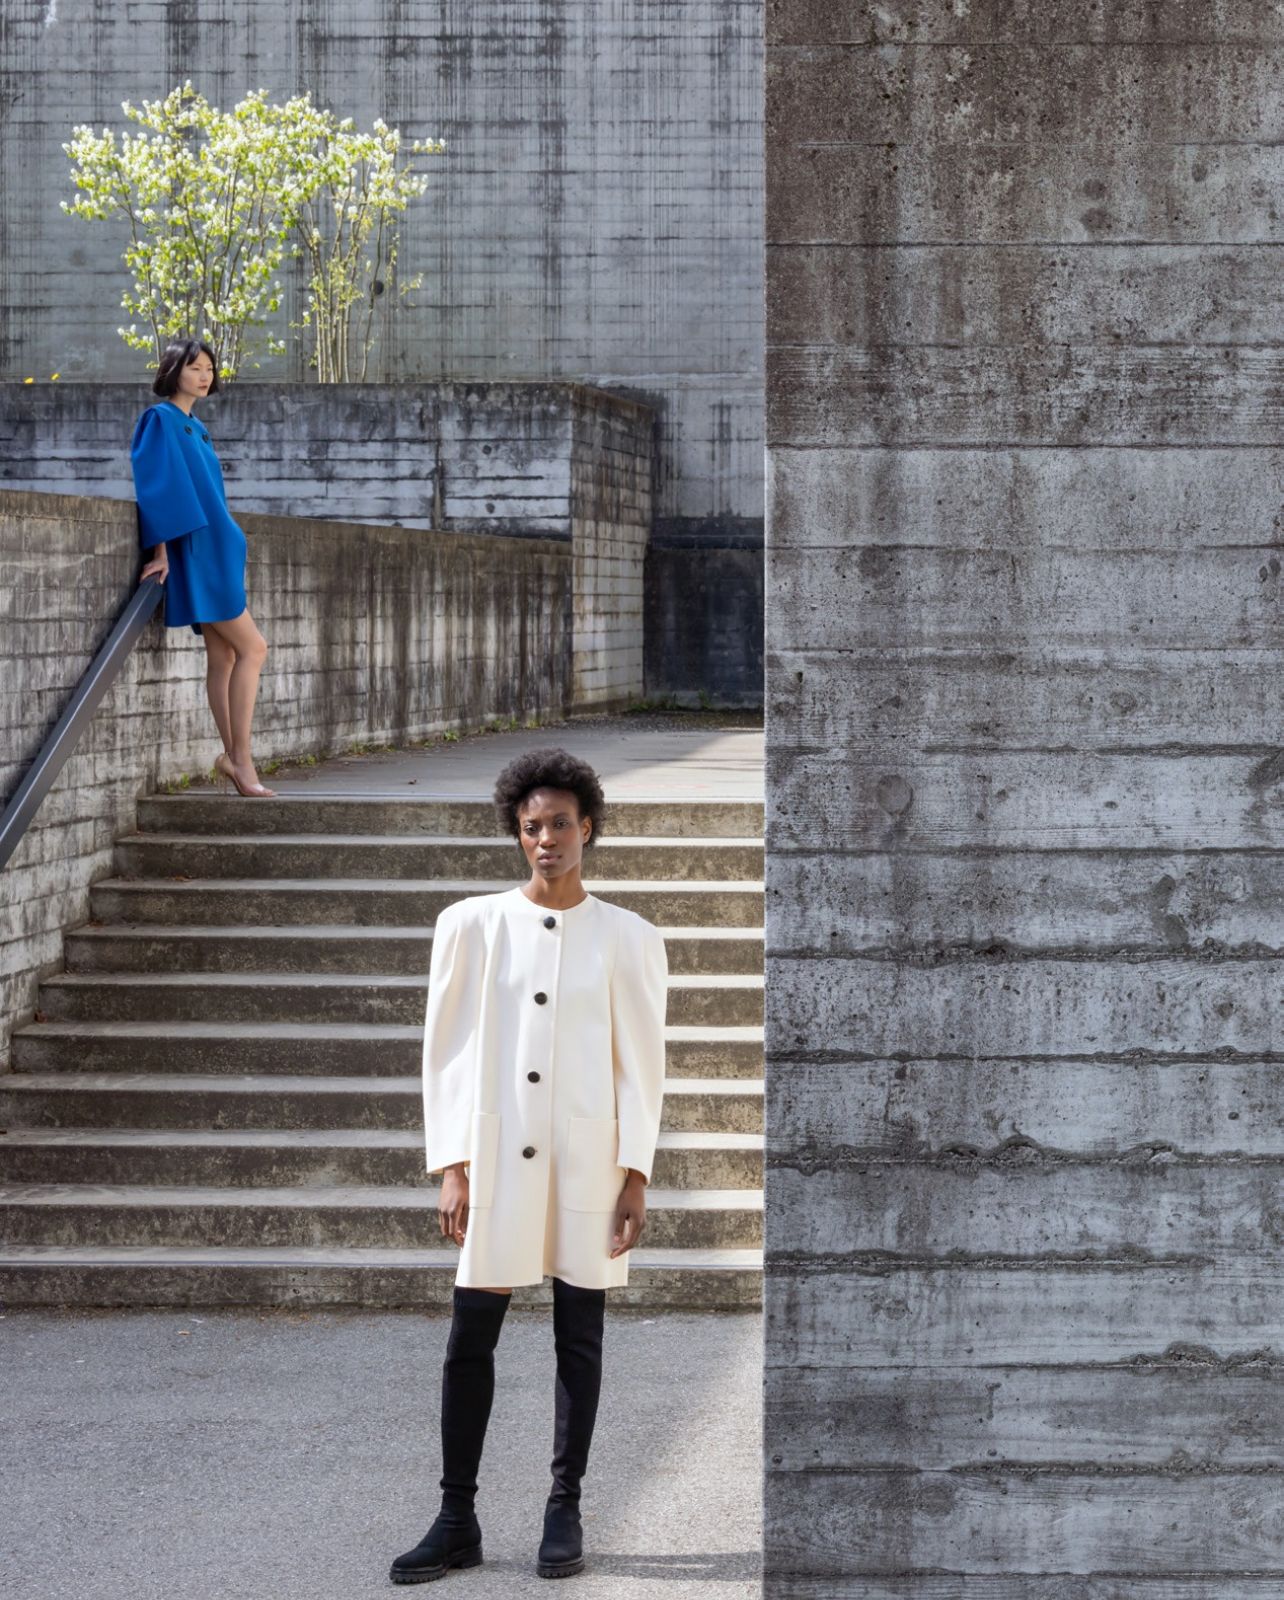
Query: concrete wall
x=1025, y=1328
x=609, y=499
x=703, y=618
x=375, y=635
x=545, y=460
x=598, y=217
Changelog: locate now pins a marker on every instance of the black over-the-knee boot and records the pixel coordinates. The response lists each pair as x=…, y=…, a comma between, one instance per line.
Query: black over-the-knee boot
x=467, y=1389
x=577, y=1335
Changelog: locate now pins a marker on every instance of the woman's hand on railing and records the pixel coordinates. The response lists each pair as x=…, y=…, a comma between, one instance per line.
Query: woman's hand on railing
x=157, y=567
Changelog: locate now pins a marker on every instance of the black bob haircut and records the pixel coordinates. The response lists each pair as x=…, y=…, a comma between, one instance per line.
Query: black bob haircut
x=552, y=768
x=180, y=353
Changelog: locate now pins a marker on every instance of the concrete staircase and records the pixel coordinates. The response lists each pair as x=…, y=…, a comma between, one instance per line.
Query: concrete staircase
x=220, y=1101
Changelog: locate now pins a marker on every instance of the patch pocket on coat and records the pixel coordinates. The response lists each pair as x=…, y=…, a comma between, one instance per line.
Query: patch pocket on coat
x=594, y=1177
x=483, y=1160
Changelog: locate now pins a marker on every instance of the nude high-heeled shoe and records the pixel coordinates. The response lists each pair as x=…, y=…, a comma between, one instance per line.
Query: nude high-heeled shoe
x=223, y=766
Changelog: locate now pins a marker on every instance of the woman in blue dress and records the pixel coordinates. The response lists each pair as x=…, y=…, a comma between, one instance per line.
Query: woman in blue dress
x=196, y=550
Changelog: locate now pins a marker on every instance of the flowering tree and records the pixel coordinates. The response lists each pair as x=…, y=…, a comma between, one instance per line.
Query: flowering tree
x=209, y=199
x=351, y=240
x=216, y=202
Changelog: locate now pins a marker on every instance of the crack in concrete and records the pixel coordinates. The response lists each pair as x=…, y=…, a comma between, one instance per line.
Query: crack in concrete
x=999, y=952
x=1016, y=1154
x=883, y=1263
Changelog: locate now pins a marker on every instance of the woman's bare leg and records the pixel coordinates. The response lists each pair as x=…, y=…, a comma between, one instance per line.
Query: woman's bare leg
x=220, y=658
x=250, y=649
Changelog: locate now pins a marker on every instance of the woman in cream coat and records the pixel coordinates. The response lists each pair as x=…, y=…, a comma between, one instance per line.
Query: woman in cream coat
x=543, y=1073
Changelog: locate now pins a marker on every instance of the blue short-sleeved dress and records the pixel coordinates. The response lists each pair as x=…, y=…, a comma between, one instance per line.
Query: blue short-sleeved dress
x=178, y=484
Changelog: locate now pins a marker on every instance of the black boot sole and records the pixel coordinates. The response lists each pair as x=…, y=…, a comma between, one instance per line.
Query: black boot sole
x=465, y=1558
x=560, y=1569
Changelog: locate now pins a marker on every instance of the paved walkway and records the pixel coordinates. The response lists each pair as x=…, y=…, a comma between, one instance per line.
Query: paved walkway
x=290, y=1456
x=641, y=757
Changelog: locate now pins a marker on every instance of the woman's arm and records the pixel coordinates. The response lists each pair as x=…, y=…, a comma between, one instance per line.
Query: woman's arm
x=639, y=995
x=449, y=1067
x=169, y=506
x=450, y=1040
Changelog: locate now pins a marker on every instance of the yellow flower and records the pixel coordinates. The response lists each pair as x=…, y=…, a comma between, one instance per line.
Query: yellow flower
x=28, y=380
x=53, y=377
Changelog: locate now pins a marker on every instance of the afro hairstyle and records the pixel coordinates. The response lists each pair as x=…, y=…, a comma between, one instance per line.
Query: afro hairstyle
x=552, y=768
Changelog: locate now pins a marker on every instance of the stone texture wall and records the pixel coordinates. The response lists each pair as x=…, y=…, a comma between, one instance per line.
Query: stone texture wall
x=1025, y=1080
x=610, y=506
x=375, y=635
x=703, y=622
x=597, y=219
x=546, y=460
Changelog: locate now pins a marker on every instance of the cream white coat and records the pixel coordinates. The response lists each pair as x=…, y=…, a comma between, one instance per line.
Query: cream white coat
x=576, y=1078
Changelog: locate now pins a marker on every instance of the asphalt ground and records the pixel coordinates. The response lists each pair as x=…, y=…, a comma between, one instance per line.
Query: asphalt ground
x=269, y=1455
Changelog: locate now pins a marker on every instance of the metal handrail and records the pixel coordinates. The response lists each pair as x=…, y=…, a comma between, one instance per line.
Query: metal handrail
x=57, y=748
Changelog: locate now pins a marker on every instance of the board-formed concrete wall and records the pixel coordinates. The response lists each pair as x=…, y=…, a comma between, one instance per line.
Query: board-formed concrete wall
x=703, y=622
x=375, y=635
x=540, y=460
x=1025, y=911
x=597, y=218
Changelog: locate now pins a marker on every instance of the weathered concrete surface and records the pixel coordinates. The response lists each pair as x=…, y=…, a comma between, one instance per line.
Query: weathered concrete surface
x=543, y=460
x=1025, y=802
x=597, y=218
x=703, y=624
x=458, y=457
x=151, y=1434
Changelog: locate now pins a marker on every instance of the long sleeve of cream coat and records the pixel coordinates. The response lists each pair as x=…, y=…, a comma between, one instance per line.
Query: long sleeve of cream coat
x=639, y=993
x=543, y=1069
x=450, y=1043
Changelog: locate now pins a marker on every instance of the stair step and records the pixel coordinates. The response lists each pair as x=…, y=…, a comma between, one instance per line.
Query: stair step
x=274, y=1048
x=272, y=1157
x=84, y=1099
x=318, y=1216
x=234, y=1056
x=339, y=948
x=204, y=811
x=328, y=997
x=423, y=857
x=396, y=902
x=212, y=1275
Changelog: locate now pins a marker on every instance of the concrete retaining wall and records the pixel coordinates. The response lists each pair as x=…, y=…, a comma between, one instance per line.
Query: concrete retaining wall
x=703, y=619
x=597, y=218
x=1025, y=911
x=609, y=505
x=556, y=461
x=376, y=634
